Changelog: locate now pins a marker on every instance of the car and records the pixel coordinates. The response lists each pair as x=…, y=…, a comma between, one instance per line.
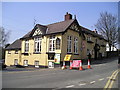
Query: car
x=2, y=64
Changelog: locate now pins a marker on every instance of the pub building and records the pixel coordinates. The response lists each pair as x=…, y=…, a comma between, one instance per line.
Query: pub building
x=47, y=45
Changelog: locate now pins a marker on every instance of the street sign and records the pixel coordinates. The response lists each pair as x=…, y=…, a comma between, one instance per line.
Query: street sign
x=67, y=57
x=57, y=58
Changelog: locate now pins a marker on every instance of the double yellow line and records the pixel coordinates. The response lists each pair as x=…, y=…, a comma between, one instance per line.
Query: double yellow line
x=111, y=80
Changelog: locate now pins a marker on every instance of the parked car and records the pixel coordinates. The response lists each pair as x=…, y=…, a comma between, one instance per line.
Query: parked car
x=2, y=64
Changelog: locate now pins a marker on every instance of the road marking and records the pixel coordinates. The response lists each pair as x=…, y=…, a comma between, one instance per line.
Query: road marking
x=70, y=86
x=111, y=84
x=92, y=82
x=82, y=84
x=99, y=65
x=101, y=79
x=113, y=76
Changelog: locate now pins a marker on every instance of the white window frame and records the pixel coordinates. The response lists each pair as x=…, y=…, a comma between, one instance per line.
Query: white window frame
x=37, y=44
x=75, y=45
x=52, y=43
x=69, y=44
x=26, y=46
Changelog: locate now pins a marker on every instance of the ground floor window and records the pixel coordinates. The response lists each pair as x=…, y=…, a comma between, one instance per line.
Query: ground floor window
x=16, y=62
x=25, y=63
x=37, y=64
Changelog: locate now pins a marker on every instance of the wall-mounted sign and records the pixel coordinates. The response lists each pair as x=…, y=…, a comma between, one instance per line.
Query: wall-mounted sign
x=67, y=57
x=57, y=58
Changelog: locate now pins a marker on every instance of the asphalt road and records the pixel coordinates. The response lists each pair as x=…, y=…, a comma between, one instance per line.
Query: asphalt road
x=97, y=77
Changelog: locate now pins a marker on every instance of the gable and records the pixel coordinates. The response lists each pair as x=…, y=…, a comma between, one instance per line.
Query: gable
x=37, y=32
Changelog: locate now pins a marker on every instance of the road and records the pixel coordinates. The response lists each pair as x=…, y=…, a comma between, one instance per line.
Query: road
x=97, y=77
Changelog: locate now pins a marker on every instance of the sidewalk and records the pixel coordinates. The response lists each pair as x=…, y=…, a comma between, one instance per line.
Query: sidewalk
x=93, y=62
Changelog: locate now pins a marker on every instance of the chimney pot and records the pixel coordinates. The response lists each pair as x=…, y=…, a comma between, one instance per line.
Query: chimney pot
x=68, y=16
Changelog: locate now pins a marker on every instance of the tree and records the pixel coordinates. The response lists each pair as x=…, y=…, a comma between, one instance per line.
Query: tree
x=3, y=40
x=3, y=37
x=107, y=25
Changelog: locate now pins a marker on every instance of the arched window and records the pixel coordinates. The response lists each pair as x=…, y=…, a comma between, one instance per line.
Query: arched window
x=57, y=43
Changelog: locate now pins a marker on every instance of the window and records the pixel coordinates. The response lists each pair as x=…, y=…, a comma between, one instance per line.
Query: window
x=69, y=44
x=26, y=46
x=37, y=64
x=76, y=45
x=25, y=63
x=9, y=52
x=88, y=38
x=37, y=44
x=16, y=62
x=57, y=43
x=52, y=43
x=16, y=51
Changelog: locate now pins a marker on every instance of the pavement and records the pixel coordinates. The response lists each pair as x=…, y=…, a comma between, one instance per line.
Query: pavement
x=55, y=79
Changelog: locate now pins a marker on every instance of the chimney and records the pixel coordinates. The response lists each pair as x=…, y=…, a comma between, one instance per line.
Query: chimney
x=95, y=31
x=68, y=16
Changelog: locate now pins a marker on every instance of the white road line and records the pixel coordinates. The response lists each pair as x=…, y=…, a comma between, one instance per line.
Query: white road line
x=99, y=65
x=82, y=84
x=70, y=86
x=101, y=79
x=92, y=82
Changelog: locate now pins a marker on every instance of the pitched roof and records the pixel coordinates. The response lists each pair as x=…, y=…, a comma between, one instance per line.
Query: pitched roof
x=59, y=27
x=87, y=31
x=51, y=28
x=15, y=45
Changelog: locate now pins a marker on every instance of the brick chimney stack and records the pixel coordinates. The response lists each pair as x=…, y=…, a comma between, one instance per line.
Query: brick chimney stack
x=68, y=16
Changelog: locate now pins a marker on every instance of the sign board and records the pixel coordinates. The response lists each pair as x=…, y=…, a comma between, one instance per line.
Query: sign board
x=51, y=64
x=76, y=63
x=57, y=58
x=67, y=57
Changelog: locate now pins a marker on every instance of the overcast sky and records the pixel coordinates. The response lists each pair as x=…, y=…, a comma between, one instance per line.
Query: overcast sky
x=18, y=17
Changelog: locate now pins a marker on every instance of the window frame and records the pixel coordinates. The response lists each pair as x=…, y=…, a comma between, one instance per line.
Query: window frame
x=37, y=44
x=76, y=45
x=69, y=44
x=26, y=46
x=58, y=40
x=52, y=42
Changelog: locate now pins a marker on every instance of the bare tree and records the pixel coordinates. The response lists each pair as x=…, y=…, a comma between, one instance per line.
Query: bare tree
x=3, y=37
x=107, y=25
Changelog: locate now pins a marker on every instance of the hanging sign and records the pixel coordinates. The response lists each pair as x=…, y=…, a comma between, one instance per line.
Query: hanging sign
x=67, y=57
x=57, y=58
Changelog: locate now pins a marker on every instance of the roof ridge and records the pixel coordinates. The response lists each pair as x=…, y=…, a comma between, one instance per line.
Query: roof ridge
x=59, y=22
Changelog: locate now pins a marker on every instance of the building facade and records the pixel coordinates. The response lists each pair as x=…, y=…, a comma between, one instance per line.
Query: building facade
x=47, y=45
